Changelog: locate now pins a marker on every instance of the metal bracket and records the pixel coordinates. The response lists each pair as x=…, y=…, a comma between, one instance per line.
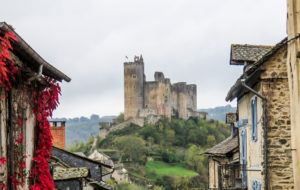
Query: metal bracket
x=241, y=123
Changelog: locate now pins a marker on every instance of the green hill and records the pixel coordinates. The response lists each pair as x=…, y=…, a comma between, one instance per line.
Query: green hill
x=80, y=128
x=166, y=154
x=218, y=113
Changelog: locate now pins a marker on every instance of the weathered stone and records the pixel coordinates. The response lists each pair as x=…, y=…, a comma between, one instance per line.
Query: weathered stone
x=282, y=141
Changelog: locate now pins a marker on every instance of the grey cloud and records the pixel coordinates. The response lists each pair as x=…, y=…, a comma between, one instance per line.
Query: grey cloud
x=189, y=40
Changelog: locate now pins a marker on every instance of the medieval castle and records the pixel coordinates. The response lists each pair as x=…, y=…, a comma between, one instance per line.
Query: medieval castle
x=148, y=99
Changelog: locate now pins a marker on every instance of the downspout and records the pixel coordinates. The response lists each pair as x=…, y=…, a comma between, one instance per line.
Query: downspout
x=38, y=75
x=265, y=130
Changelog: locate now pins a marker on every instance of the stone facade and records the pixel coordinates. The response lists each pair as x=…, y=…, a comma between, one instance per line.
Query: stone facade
x=160, y=97
x=272, y=84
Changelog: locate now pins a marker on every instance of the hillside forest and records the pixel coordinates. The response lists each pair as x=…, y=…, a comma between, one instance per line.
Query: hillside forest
x=78, y=129
x=166, y=155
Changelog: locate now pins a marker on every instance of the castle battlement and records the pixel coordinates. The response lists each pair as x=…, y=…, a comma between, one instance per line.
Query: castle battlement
x=137, y=61
x=159, y=97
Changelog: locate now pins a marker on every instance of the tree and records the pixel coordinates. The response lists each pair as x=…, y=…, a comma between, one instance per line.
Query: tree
x=133, y=148
x=120, y=118
x=211, y=140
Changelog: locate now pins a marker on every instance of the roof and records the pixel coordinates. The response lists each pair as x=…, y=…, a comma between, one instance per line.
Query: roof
x=22, y=49
x=66, y=153
x=253, y=71
x=64, y=171
x=80, y=154
x=60, y=173
x=70, y=160
x=247, y=53
x=223, y=147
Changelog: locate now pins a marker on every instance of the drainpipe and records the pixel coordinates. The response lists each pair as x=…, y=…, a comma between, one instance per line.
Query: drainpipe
x=265, y=129
x=38, y=75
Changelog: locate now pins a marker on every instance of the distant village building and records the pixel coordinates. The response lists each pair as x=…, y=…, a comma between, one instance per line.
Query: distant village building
x=72, y=171
x=223, y=160
x=264, y=123
x=120, y=174
x=16, y=108
x=58, y=131
x=152, y=99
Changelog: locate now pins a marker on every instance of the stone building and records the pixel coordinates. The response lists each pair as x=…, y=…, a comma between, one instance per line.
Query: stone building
x=146, y=99
x=293, y=31
x=18, y=121
x=223, y=160
x=263, y=108
x=72, y=171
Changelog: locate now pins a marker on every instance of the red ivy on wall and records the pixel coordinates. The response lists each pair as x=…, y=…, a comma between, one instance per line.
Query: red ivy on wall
x=7, y=67
x=44, y=101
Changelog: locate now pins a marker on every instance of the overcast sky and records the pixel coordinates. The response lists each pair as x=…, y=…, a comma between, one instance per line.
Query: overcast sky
x=188, y=40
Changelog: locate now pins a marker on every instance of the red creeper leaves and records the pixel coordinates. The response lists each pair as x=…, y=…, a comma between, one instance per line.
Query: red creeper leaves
x=7, y=66
x=45, y=102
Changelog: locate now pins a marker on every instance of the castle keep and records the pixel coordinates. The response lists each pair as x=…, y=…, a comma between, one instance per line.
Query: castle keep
x=148, y=99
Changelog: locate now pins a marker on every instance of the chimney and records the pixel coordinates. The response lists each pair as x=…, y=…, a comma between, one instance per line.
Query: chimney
x=58, y=128
x=230, y=119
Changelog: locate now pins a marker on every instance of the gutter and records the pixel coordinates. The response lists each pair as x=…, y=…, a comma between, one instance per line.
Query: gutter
x=265, y=130
x=25, y=48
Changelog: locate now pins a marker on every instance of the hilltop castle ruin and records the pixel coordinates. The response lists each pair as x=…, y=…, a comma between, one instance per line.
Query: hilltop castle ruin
x=153, y=99
x=148, y=101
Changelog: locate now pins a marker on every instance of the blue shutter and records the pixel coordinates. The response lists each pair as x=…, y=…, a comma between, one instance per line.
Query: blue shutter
x=244, y=157
x=254, y=118
x=256, y=184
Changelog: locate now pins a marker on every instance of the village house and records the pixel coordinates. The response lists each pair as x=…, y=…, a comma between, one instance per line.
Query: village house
x=24, y=73
x=72, y=171
x=223, y=160
x=263, y=112
x=120, y=174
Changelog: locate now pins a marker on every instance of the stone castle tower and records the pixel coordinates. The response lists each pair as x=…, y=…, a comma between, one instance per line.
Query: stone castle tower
x=153, y=99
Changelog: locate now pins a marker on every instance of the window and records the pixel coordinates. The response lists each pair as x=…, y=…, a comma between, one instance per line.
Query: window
x=254, y=118
x=134, y=76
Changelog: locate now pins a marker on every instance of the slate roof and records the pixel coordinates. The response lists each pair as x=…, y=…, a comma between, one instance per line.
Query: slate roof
x=60, y=173
x=247, y=53
x=249, y=73
x=223, y=147
x=71, y=160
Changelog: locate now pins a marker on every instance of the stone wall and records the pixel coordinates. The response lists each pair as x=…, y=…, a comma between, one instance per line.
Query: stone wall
x=133, y=88
x=279, y=123
x=273, y=85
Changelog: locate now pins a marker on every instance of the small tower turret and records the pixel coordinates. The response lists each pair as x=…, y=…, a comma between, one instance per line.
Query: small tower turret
x=133, y=87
